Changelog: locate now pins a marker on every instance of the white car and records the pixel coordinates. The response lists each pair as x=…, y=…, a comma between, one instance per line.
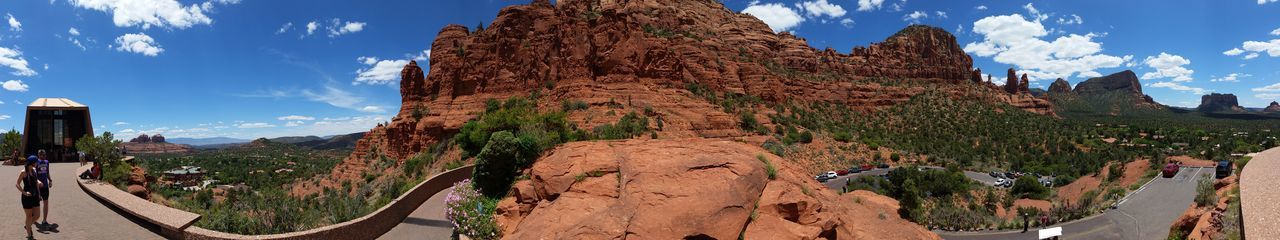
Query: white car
x=1001, y=182
x=832, y=175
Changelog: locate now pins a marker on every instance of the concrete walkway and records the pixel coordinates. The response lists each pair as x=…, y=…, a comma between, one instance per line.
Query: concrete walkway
x=427, y=222
x=1259, y=196
x=77, y=215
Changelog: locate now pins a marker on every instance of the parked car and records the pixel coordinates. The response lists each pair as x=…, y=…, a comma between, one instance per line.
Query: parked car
x=1170, y=170
x=1046, y=182
x=995, y=174
x=842, y=172
x=883, y=165
x=1001, y=182
x=855, y=169
x=1224, y=169
x=821, y=177
x=867, y=167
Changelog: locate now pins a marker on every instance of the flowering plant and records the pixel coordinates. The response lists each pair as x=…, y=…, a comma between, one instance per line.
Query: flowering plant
x=470, y=212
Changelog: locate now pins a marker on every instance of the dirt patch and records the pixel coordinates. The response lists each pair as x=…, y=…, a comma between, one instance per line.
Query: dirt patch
x=1043, y=205
x=1188, y=161
x=1071, y=192
x=1133, y=172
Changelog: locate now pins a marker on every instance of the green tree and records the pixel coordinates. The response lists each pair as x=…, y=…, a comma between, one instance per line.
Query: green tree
x=496, y=164
x=1028, y=187
x=910, y=201
x=103, y=149
x=12, y=141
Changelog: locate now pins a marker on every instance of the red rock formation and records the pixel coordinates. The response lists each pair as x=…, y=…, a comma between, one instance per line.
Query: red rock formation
x=715, y=184
x=1011, y=85
x=977, y=76
x=647, y=52
x=1024, y=86
x=141, y=139
x=157, y=138
x=1274, y=107
x=1060, y=86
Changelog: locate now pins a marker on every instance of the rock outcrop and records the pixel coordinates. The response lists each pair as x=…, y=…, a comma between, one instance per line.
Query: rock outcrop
x=1124, y=82
x=1274, y=107
x=143, y=138
x=1024, y=85
x=1217, y=102
x=154, y=147
x=628, y=189
x=1011, y=83
x=1059, y=86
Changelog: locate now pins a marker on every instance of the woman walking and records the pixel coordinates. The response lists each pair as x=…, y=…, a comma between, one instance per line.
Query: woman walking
x=30, y=186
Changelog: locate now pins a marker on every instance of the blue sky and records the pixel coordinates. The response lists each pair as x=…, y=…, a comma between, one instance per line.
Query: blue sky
x=253, y=68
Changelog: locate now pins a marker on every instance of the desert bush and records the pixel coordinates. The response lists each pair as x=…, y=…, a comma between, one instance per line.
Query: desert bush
x=1028, y=187
x=768, y=167
x=629, y=126
x=1206, y=195
x=496, y=164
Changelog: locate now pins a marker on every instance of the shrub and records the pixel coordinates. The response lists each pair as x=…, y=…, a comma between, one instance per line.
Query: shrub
x=843, y=136
x=768, y=166
x=629, y=126
x=470, y=212
x=1205, y=194
x=1028, y=187
x=414, y=165
x=805, y=137
x=12, y=141
x=568, y=106
x=496, y=164
x=910, y=201
x=103, y=148
x=747, y=121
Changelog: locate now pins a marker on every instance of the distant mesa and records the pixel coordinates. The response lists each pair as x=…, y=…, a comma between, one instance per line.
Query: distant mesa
x=1274, y=107
x=1122, y=82
x=1217, y=102
x=153, y=144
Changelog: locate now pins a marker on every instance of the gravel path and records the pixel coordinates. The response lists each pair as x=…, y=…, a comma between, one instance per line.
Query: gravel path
x=77, y=215
x=1259, y=196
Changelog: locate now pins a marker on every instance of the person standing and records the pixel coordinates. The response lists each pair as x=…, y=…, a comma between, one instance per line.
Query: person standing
x=30, y=186
x=42, y=172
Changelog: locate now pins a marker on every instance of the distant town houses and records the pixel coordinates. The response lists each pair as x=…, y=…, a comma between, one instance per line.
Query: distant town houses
x=185, y=176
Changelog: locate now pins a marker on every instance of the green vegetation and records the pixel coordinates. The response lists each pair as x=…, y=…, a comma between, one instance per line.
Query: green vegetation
x=768, y=167
x=870, y=183
x=471, y=212
x=1028, y=187
x=11, y=142
x=103, y=148
x=1206, y=195
x=629, y=126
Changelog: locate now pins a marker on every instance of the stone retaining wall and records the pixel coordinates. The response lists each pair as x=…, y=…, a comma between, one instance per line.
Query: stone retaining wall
x=367, y=227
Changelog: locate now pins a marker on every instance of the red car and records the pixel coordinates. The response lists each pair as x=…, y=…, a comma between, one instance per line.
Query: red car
x=1170, y=170
x=867, y=167
x=842, y=172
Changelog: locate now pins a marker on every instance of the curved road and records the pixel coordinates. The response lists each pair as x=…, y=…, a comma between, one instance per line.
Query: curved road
x=1145, y=214
x=78, y=215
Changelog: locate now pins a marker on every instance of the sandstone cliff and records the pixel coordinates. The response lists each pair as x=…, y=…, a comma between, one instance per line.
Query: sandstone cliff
x=1059, y=86
x=1217, y=102
x=1274, y=107
x=687, y=188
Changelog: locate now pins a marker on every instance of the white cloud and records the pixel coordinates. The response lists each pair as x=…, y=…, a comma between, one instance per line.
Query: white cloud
x=1179, y=87
x=254, y=125
x=148, y=13
x=15, y=85
x=1233, y=52
x=1074, y=19
x=1012, y=39
x=1233, y=77
x=338, y=28
x=821, y=7
x=1035, y=13
x=1260, y=2
x=981, y=7
x=915, y=17
x=293, y=123
x=1273, y=88
x=379, y=72
x=5, y=117
x=1250, y=56
x=14, y=25
x=372, y=109
x=940, y=14
x=423, y=56
x=780, y=18
x=138, y=43
x=335, y=97
x=869, y=5
x=295, y=118
x=285, y=28
x=1276, y=32
x=121, y=123
x=1168, y=66
x=847, y=22
x=311, y=27
x=73, y=31
x=1272, y=48
x=12, y=58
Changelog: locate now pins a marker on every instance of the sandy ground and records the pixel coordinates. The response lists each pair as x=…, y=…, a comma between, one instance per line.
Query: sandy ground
x=1193, y=162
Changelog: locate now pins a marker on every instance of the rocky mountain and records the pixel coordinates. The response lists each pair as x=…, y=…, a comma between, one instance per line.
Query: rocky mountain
x=345, y=141
x=1059, y=86
x=1216, y=102
x=1122, y=82
x=1274, y=107
x=206, y=141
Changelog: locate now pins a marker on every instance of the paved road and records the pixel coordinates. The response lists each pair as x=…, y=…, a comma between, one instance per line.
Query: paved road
x=78, y=215
x=1145, y=214
x=427, y=222
x=1258, y=194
